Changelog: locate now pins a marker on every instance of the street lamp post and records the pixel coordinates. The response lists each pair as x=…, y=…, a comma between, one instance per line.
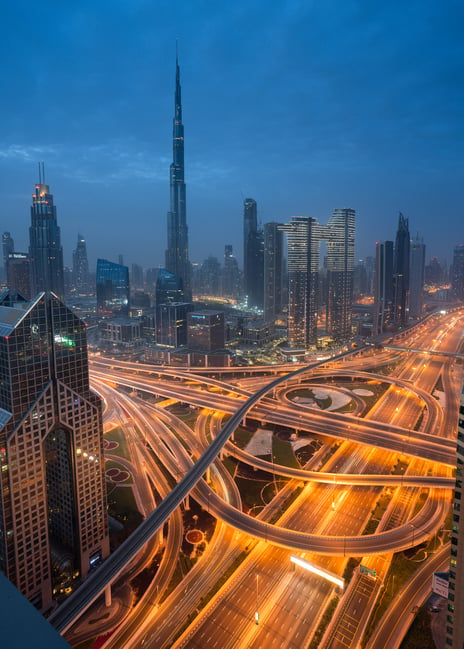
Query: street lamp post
x=257, y=600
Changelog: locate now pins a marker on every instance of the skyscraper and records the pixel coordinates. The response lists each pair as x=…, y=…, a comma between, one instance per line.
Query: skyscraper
x=231, y=274
x=53, y=494
x=416, y=282
x=81, y=266
x=45, y=251
x=339, y=233
x=169, y=288
x=177, y=257
x=7, y=246
x=457, y=273
x=383, y=286
x=455, y=617
x=113, y=291
x=401, y=273
x=253, y=255
x=18, y=273
x=303, y=239
x=273, y=270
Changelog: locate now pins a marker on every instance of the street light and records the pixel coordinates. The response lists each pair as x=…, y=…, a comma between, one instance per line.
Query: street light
x=257, y=601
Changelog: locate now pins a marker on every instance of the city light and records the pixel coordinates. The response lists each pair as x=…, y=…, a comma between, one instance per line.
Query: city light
x=338, y=581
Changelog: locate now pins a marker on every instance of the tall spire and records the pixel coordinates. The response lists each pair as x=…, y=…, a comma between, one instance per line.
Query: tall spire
x=177, y=260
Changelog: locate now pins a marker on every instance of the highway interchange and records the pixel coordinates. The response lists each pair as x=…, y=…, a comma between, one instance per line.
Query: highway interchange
x=321, y=511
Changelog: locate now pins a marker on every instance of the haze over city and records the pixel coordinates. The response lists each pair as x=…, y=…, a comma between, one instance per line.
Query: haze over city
x=302, y=107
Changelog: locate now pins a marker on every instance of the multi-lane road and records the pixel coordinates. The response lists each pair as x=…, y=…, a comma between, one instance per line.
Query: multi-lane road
x=325, y=520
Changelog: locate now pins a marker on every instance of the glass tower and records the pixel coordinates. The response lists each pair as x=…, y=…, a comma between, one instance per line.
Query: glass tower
x=177, y=258
x=113, y=293
x=45, y=251
x=81, y=266
x=53, y=493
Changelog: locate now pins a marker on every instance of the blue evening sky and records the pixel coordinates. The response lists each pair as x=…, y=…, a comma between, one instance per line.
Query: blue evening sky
x=303, y=105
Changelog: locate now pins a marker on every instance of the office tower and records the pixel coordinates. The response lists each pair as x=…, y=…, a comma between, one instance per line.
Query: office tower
x=273, y=271
x=457, y=273
x=253, y=255
x=45, y=251
x=303, y=237
x=209, y=277
x=7, y=247
x=177, y=258
x=53, y=494
x=113, y=293
x=136, y=276
x=383, y=287
x=433, y=272
x=206, y=330
x=455, y=617
x=18, y=273
x=401, y=273
x=171, y=323
x=81, y=266
x=339, y=233
x=416, y=279
x=169, y=288
x=231, y=274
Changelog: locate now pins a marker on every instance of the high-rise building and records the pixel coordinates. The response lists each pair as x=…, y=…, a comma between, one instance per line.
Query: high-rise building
x=303, y=239
x=416, y=280
x=455, y=617
x=177, y=257
x=209, y=277
x=18, y=273
x=230, y=274
x=113, y=291
x=457, y=273
x=304, y=235
x=383, y=286
x=273, y=271
x=401, y=273
x=136, y=276
x=433, y=272
x=171, y=323
x=169, y=288
x=339, y=233
x=205, y=330
x=53, y=494
x=7, y=247
x=45, y=251
x=253, y=255
x=81, y=266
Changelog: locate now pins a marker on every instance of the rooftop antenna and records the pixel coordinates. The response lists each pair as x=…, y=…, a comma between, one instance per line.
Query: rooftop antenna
x=40, y=181
x=43, y=173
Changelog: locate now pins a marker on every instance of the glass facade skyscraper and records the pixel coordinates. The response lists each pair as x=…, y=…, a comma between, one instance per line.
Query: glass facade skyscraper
x=339, y=234
x=253, y=255
x=177, y=257
x=113, y=292
x=303, y=280
x=53, y=493
x=383, y=289
x=45, y=251
x=81, y=266
x=401, y=273
x=273, y=271
x=304, y=235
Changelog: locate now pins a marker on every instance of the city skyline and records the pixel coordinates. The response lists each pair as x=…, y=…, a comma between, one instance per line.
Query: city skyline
x=355, y=107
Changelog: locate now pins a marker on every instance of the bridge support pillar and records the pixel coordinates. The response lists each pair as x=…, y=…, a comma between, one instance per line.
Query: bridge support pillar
x=160, y=536
x=108, y=595
x=187, y=502
x=208, y=473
